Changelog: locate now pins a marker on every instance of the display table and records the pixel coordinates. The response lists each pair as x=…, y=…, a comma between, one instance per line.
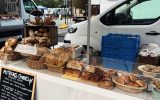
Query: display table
x=50, y=86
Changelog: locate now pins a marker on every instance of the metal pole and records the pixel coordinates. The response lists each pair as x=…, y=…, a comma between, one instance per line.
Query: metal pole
x=88, y=31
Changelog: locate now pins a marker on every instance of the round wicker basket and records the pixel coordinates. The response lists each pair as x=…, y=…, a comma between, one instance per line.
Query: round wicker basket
x=130, y=89
x=36, y=64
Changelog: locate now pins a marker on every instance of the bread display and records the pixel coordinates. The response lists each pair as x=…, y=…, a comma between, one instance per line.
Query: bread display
x=8, y=50
x=74, y=68
x=130, y=83
x=59, y=56
x=149, y=70
x=39, y=37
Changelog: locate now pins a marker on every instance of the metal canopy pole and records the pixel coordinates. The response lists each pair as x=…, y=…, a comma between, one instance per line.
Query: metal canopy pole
x=88, y=31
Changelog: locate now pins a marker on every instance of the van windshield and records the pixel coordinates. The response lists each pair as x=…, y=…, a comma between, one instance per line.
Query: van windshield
x=29, y=6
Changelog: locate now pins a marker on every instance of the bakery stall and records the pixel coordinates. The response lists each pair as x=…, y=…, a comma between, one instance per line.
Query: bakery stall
x=62, y=72
x=50, y=85
x=63, y=76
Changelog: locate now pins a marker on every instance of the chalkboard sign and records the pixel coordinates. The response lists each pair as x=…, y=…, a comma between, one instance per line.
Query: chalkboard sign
x=16, y=85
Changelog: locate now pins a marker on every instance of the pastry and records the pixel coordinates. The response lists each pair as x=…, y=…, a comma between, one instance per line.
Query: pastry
x=119, y=80
x=31, y=33
x=42, y=50
x=11, y=42
x=46, y=34
x=132, y=77
x=140, y=83
x=9, y=50
x=29, y=40
x=134, y=84
x=38, y=20
x=2, y=49
x=125, y=78
x=156, y=82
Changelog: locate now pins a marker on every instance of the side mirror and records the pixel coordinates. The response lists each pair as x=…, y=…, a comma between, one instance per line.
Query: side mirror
x=42, y=10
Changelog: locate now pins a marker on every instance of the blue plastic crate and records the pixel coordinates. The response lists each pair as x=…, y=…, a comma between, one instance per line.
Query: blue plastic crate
x=118, y=64
x=120, y=46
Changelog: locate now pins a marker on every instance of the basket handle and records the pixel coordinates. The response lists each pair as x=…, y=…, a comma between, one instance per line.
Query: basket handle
x=35, y=10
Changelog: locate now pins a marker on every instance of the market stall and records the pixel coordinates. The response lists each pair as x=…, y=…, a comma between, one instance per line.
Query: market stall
x=52, y=85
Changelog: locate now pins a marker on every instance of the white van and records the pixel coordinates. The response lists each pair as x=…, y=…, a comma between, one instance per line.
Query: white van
x=140, y=17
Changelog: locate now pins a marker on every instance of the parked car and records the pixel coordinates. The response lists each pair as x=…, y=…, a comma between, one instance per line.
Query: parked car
x=137, y=17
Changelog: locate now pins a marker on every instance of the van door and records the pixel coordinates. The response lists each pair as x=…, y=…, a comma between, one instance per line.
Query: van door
x=28, y=6
x=140, y=17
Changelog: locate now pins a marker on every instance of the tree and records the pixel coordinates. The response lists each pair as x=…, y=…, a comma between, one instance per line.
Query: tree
x=50, y=3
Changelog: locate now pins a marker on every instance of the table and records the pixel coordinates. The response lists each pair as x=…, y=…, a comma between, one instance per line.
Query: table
x=50, y=86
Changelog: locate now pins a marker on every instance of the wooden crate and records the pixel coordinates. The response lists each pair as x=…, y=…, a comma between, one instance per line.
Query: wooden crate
x=53, y=32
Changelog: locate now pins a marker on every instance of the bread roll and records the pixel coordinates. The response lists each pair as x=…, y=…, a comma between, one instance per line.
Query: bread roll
x=132, y=77
x=31, y=33
x=125, y=78
x=42, y=50
x=134, y=84
x=140, y=82
x=2, y=49
x=11, y=42
x=38, y=20
x=46, y=34
x=9, y=50
x=119, y=80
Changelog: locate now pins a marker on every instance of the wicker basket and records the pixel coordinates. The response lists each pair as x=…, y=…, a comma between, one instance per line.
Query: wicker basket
x=130, y=89
x=56, y=68
x=36, y=64
x=10, y=57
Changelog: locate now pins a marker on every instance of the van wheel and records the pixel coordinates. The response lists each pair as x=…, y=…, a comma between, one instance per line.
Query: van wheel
x=92, y=51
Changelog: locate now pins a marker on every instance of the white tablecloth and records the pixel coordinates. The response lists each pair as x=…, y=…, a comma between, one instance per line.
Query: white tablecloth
x=49, y=86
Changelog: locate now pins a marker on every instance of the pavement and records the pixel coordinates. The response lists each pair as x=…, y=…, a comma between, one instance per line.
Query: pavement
x=62, y=32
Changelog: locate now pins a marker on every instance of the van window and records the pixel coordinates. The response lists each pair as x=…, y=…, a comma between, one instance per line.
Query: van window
x=29, y=6
x=146, y=10
x=133, y=12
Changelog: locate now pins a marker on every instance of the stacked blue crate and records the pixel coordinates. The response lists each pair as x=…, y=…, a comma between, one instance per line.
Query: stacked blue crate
x=121, y=47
